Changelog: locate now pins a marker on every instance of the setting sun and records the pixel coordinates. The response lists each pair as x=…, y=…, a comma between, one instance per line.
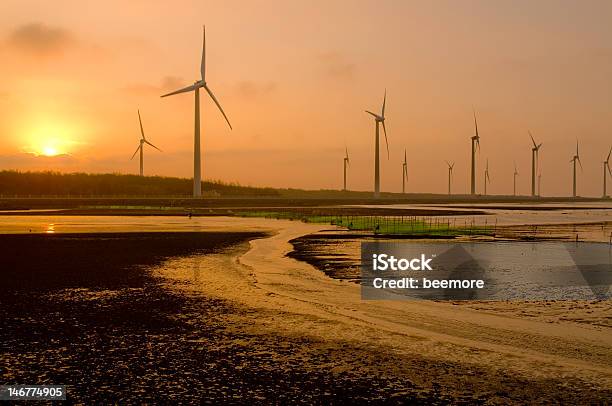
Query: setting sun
x=49, y=151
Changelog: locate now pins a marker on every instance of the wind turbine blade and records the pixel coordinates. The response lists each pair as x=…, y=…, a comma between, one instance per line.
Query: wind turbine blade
x=203, y=62
x=448, y=164
x=386, y=141
x=475, y=123
x=384, y=103
x=452, y=166
x=608, y=158
x=580, y=163
x=369, y=112
x=609, y=170
x=183, y=90
x=212, y=96
x=532, y=140
x=405, y=160
x=577, y=154
x=478, y=144
x=153, y=146
x=538, y=146
x=141, y=130
x=135, y=152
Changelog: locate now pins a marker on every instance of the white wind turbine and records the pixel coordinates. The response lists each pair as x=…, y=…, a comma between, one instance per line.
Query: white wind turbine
x=450, y=175
x=379, y=119
x=346, y=164
x=404, y=173
x=535, y=161
x=487, y=179
x=573, y=160
x=143, y=141
x=197, y=165
x=515, y=175
x=606, y=165
x=475, y=145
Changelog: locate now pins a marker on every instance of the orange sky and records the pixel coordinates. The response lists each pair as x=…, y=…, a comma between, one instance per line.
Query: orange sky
x=294, y=78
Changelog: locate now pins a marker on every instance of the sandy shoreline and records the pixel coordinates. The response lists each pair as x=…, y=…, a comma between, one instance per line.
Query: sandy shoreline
x=264, y=277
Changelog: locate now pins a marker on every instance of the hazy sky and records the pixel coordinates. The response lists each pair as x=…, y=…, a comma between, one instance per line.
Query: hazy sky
x=295, y=77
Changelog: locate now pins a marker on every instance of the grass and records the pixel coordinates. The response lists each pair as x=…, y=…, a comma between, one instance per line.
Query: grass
x=386, y=225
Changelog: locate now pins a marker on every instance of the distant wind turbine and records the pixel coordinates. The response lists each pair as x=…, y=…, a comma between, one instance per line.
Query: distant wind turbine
x=573, y=160
x=346, y=164
x=487, y=179
x=379, y=119
x=535, y=157
x=606, y=165
x=197, y=165
x=515, y=175
x=475, y=145
x=143, y=141
x=404, y=173
x=450, y=175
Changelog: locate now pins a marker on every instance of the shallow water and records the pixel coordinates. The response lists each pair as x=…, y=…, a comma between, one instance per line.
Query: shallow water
x=101, y=224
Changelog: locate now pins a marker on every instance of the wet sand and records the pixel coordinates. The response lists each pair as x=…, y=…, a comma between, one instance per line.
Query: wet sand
x=489, y=352
x=219, y=318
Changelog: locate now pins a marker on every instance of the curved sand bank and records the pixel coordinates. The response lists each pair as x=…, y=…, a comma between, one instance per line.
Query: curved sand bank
x=292, y=297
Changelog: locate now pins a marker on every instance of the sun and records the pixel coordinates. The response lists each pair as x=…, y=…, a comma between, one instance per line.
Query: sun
x=49, y=151
x=49, y=137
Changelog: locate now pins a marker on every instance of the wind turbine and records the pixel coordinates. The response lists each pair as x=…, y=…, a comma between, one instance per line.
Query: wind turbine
x=535, y=155
x=515, y=174
x=450, y=175
x=606, y=165
x=143, y=141
x=404, y=173
x=487, y=179
x=573, y=160
x=379, y=119
x=346, y=164
x=475, y=145
x=197, y=165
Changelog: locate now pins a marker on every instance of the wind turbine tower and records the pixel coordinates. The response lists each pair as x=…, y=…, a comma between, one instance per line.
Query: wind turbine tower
x=346, y=164
x=475, y=145
x=140, y=148
x=197, y=85
x=404, y=173
x=515, y=175
x=535, y=155
x=450, y=175
x=487, y=179
x=606, y=166
x=379, y=118
x=573, y=160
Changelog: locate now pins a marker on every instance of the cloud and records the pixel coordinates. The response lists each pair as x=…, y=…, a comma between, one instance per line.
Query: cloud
x=251, y=90
x=41, y=40
x=32, y=161
x=167, y=84
x=336, y=66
